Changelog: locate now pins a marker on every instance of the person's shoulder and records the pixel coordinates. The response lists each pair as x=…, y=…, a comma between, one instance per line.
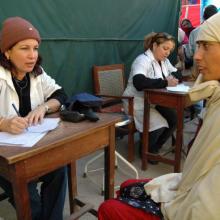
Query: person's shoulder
x=142, y=59
x=194, y=31
x=140, y=56
x=197, y=28
x=147, y=56
x=4, y=74
x=2, y=69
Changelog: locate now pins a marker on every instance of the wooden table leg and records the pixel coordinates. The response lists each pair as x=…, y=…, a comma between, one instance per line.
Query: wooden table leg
x=131, y=151
x=20, y=191
x=145, y=135
x=179, y=137
x=72, y=183
x=110, y=165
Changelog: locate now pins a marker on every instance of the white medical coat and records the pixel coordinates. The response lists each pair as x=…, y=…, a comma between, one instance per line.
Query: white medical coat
x=147, y=65
x=41, y=87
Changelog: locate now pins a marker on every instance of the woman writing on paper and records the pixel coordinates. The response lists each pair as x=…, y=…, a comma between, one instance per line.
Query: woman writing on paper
x=24, y=83
x=152, y=70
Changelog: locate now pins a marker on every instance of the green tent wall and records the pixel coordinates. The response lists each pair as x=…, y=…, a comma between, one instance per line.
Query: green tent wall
x=76, y=34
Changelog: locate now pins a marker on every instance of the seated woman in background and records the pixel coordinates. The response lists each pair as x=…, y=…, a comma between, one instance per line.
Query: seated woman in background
x=24, y=83
x=194, y=194
x=152, y=70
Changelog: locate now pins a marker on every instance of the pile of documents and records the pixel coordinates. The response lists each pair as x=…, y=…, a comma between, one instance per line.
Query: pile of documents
x=30, y=136
x=179, y=88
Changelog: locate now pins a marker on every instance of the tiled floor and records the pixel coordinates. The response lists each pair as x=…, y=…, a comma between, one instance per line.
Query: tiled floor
x=89, y=191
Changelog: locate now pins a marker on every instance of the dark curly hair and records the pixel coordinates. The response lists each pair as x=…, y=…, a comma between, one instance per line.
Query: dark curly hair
x=7, y=64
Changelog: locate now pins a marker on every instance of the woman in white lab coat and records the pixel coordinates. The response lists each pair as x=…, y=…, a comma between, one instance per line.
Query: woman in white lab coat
x=152, y=69
x=24, y=83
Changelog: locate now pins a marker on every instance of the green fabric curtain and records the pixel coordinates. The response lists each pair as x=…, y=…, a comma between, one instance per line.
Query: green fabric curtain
x=76, y=34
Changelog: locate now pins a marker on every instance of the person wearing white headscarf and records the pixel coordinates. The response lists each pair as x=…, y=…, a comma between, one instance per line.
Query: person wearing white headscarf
x=194, y=194
x=198, y=194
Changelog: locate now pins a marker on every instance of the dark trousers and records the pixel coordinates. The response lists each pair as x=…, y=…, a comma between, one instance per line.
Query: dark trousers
x=158, y=137
x=49, y=204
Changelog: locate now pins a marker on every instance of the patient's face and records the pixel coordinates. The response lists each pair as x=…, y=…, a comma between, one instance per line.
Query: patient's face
x=207, y=58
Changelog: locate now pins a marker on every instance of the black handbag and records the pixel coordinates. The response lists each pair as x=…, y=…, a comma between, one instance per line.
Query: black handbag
x=80, y=107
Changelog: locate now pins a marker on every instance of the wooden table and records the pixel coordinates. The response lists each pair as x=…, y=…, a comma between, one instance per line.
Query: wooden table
x=60, y=147
x=176, y=100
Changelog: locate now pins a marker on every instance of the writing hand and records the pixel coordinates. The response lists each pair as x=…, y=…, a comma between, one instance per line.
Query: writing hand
x=14, y=125
x=172, y=81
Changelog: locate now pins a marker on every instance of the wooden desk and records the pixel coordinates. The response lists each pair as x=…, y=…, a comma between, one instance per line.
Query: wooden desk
x=176, y=100
x=60, y=147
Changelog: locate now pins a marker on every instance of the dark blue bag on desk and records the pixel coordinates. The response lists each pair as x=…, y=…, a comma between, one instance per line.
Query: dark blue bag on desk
x=80, y=107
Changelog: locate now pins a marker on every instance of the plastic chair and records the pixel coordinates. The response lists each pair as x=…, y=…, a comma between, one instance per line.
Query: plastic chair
x=109, y=83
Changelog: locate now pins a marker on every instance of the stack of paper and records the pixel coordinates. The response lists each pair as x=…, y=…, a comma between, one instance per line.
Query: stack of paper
x=47, y=125
x=31, y=136
x=179, y=88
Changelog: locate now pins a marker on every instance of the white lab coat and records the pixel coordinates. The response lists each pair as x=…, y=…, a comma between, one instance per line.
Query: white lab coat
x=147, y=65
x=41, y=87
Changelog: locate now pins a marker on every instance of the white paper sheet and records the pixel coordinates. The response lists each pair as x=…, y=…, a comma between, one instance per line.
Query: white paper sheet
x=31, y=136
x=25, y=139
x=179, y=88
x=48, y=124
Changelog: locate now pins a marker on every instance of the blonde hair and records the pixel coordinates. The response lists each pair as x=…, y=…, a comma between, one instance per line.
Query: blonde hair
x=157, y=38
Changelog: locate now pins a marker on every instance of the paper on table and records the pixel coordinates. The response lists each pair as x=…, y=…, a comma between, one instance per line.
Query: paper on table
x=25, y=139
x=48, y=124
x=31, y=136
x=179, y=88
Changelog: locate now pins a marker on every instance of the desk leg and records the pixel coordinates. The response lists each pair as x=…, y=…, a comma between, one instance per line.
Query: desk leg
x=145, y=135
x=20, y=191
x=72, y=184
x=131, y=151
x=110, y=164
x=179, y=137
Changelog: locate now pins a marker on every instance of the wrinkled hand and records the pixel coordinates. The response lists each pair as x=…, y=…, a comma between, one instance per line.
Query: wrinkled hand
x=15, y=125
x=36, y=116
x=172, y=81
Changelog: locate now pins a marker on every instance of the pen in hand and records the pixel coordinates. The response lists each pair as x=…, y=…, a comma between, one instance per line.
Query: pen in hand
x=17, y=112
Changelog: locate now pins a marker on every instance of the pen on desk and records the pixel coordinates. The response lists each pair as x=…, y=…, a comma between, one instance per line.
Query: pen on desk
x=16, y=110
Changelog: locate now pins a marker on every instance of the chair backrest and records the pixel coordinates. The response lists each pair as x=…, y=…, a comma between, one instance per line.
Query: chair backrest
x=109, y=82
x=109, y=79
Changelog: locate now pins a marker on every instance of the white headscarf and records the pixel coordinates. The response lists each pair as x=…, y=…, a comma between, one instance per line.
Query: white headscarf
x=210, y=29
